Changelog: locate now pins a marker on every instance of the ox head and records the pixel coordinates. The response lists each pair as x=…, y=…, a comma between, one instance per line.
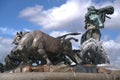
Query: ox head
x=17, y=38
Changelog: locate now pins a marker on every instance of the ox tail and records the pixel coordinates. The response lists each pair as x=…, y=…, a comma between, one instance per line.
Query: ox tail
x=72, y=38
x=64, y=36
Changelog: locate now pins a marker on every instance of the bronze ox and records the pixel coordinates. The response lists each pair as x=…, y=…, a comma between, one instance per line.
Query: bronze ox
x=40, y=44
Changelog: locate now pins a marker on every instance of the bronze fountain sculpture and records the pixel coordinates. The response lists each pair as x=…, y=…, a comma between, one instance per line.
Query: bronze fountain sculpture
x=43, y=49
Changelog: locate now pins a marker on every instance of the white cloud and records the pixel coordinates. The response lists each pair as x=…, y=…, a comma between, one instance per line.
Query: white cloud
x=31, y=11
x=118, y=39
x=5, y=47
x=111, y=44
x=112, y=47
x=69, y=15
x=7, y=31
x=26, y=29
x=11, y=31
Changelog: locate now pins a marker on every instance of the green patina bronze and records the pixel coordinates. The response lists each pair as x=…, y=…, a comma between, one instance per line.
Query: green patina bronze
x=96, y=17
x=94, y=20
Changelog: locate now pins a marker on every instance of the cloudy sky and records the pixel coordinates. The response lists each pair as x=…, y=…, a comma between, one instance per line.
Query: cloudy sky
x=56, y=17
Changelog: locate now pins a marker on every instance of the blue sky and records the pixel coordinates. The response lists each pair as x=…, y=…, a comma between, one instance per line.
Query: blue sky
x=56, y=17
x=10, y=10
